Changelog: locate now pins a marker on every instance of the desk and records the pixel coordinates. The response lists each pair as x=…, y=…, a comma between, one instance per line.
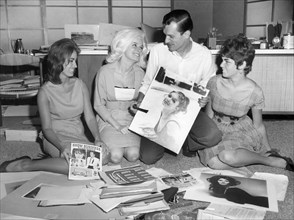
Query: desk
x=273, y=70
x=89, y=62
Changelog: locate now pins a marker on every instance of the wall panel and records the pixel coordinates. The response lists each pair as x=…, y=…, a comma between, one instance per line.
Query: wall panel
x=93, y=15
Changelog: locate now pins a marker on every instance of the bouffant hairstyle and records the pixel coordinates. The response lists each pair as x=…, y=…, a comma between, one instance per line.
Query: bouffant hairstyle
x=239, y=49
x=59, y=52
x=121, y=42
x=183, y=101
x=218, y=189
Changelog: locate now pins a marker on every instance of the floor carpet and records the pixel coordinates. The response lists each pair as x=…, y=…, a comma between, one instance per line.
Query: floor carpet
x=280, y=134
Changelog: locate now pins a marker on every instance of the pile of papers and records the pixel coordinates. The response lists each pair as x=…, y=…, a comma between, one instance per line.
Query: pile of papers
x=28, y=84
x=133, y=191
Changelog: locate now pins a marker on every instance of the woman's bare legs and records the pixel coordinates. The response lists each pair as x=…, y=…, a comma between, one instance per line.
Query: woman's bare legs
x=132, y=153
x=56, y=165
x=116, y=155
x=242, y=157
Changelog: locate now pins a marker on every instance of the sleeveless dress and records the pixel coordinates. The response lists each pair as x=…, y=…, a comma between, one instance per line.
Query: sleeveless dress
x=114, y=94
x=66, y=108
x=232, y=119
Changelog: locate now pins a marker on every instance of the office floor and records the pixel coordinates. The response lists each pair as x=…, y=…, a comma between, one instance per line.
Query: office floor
x=280, y=134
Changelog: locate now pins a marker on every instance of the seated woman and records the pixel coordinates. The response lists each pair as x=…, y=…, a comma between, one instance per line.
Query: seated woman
x=62, y=100
x=232, y=95
x=117, y=85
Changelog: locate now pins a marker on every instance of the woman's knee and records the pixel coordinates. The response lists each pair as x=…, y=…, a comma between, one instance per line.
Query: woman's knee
x=116, y=156
x=228, y=157
x=132, y=154
x=132, y=157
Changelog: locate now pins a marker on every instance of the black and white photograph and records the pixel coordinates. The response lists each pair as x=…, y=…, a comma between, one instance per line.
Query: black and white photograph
x=196, y=95
x=168, y=110
x=235, y=190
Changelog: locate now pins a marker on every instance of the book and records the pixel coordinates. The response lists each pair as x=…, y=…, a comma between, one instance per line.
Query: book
x=168, y=110
x=21, y=135
x=137, y=209
x=85, y=163
x=127, y=175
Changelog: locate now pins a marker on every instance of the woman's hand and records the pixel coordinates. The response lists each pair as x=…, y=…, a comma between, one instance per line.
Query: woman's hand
x=66, y=154
x=105, y=152
x=124, y=129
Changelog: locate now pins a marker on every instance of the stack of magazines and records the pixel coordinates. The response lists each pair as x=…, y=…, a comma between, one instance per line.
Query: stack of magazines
x=132, y=190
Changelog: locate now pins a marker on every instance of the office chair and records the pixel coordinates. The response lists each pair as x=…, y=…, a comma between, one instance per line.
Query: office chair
x=21, y=76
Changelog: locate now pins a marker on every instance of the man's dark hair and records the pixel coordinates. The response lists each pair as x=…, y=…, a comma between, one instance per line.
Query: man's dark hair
x=181, y=17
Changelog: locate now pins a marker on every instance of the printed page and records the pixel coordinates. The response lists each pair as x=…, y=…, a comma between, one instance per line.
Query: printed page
x=85, y=162
x=126, y=175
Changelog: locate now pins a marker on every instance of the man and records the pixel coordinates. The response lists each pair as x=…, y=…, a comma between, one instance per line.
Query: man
x=92, y=161
x=180, y=55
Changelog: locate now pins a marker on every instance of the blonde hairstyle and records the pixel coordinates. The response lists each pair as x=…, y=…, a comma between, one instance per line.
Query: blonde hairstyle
x=122, y=40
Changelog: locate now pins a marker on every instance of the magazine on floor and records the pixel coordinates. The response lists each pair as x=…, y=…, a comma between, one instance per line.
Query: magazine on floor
x=127, y=175
x=181, y=181
x=168, y=110
x=85, y=162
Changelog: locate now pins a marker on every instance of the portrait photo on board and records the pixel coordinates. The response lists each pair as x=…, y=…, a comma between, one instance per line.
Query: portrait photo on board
x=168, y=110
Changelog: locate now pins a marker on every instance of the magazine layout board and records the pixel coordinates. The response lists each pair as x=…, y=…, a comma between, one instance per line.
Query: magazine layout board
x=86, y=162
x=168, y=110
x=127, y=175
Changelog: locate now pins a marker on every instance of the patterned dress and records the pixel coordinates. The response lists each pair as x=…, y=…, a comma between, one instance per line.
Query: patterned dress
x=231, y=118
x=66, y=108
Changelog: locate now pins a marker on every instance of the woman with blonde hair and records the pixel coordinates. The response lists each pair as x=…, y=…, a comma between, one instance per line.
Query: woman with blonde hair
x=116, y=89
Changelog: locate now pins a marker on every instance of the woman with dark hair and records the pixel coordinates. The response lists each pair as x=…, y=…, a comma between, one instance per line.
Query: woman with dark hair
x=232, y=94
x=225, y=187
x=62, y=100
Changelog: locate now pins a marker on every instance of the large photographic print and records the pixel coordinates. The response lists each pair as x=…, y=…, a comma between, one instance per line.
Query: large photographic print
x=168, y=110
x=233, y=190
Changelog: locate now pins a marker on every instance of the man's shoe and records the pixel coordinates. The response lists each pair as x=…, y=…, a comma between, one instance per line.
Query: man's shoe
x=187, y=153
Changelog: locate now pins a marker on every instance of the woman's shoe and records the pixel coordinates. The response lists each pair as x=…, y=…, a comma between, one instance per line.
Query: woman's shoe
x=4, y=165
x=289, y=161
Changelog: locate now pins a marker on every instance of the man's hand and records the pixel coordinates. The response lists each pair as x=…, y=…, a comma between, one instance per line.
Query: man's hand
x=203, y=101
x=134, y=108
